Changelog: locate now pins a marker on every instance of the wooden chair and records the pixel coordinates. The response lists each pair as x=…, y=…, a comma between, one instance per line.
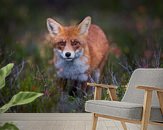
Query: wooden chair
x=141, y=104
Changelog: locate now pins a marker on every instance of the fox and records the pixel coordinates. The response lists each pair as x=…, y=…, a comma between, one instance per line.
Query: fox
x=80, y=51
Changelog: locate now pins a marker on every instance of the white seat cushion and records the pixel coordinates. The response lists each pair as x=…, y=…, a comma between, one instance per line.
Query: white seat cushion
x=125, y=110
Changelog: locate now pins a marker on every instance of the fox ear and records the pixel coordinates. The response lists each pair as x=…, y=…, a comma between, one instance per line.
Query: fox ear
x=84, y=25
x=53, y=26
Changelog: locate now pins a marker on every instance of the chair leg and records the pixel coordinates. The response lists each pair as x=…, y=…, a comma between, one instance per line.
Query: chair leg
x=146, y=110
x=144, y=126
x=94, y=122
x=124, y=125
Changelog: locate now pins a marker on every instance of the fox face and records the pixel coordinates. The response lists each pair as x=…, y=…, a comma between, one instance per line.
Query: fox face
x=69, y=49
x=69, y=42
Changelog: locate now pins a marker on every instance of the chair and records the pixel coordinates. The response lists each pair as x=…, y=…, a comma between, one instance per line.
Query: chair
x=141, y=104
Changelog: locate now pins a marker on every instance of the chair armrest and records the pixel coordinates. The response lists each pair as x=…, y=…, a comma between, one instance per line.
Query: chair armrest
x=98, y=88
x=148, y=88
x=102, y=85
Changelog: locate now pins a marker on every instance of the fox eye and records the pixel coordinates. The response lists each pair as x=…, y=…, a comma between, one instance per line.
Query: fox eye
x=75, y=42
x=62, y=43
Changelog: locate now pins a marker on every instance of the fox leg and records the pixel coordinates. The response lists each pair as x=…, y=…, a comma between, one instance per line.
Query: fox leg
x=84, y=86
x=73, y=90
x=61, y=83
x=78, y=88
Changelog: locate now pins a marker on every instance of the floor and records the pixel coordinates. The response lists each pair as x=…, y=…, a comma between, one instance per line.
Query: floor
x=57, y=121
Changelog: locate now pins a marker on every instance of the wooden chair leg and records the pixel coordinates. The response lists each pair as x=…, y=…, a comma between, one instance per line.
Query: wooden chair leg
x=146, y=110
x=124, y=125
x=160, y=97
x=94, y=122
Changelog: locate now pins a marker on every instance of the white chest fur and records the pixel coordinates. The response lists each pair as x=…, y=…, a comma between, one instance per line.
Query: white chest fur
x=74, y=70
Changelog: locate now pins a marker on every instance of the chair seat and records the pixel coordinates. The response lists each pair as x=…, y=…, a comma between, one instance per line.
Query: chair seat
x=131, y=111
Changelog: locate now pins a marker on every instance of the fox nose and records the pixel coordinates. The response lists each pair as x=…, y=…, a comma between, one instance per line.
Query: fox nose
x=67, y=54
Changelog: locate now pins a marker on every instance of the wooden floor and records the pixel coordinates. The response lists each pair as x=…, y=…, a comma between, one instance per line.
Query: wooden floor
x=57, y=121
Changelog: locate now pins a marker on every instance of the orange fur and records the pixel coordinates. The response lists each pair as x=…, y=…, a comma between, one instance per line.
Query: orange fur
x=98, y=47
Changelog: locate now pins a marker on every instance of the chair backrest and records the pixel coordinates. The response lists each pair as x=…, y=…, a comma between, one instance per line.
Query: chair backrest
x=148, y=77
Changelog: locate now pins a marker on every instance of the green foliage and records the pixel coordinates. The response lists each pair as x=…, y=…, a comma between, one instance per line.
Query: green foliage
x=4, y=72
x=8, y=126
x=20, y=99
x=120, y=92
